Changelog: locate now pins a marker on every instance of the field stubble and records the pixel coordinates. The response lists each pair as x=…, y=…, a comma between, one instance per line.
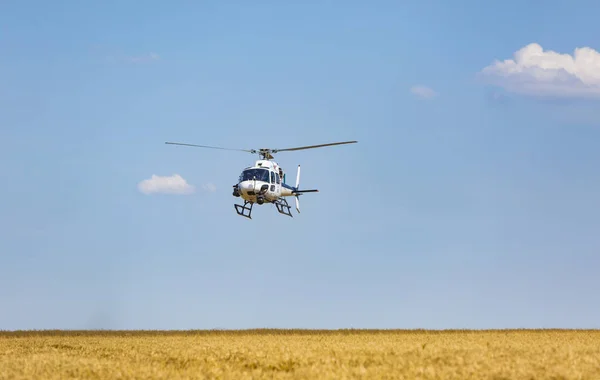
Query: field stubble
x=334, y=354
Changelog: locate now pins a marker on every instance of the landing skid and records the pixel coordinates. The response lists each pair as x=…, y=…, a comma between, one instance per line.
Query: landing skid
x=246, y=209
x=241, y=210
x=283, y=207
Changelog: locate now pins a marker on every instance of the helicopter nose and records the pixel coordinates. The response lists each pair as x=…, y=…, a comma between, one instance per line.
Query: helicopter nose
x=246, y=186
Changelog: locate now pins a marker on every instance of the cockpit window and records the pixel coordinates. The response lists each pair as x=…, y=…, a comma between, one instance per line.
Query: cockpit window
x=258, y=174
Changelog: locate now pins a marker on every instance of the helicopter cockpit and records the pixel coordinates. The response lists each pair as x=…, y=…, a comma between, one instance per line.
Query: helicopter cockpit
x=258, y=174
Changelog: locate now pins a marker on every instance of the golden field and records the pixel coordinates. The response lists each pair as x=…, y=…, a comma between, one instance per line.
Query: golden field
x=303, y=354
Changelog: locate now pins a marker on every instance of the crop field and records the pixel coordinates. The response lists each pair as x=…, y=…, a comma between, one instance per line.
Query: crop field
x=303, y=354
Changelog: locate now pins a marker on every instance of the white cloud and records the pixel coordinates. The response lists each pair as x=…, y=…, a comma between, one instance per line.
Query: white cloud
x=174, y=184
x=534, y=71
x=209, y=187
x=423, y=92
x=143, y=58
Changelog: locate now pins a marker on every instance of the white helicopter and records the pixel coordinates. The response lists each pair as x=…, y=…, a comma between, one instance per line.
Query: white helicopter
x=265, y=181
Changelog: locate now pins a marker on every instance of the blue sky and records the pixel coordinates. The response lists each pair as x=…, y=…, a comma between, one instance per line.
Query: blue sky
x=475, y=207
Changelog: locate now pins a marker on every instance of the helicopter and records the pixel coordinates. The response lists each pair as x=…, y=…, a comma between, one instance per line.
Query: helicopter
x=265, y=181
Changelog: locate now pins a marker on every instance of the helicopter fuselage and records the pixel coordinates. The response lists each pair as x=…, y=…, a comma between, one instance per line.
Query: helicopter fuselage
x=262, y=183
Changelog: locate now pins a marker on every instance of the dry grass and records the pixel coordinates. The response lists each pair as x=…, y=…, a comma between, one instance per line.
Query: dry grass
x=341, y=354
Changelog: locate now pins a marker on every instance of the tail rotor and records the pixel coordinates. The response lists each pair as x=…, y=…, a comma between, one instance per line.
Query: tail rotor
x=297, y=192
x=297, y=187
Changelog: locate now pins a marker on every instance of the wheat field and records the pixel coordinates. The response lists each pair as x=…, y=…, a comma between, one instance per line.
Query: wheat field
x=302, y=354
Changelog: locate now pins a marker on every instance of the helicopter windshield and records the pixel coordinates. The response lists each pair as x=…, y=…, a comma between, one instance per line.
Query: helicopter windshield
x=258, y=174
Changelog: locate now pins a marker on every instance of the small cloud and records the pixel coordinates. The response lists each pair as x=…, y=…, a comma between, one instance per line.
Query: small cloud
x=210, y=187
x=143, y=58
x=423, y=92
x=536, y=72
x=497, y=98
x=174, y=184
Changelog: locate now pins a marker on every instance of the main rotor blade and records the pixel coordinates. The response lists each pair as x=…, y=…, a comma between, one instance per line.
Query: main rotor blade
x=211, y=147
x=313, y=146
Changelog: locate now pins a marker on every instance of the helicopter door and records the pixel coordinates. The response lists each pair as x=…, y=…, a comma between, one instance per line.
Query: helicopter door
x=277, y=183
